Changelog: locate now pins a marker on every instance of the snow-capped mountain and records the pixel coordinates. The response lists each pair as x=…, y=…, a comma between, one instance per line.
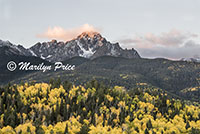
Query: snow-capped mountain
x=88, y=45
x=8, y=48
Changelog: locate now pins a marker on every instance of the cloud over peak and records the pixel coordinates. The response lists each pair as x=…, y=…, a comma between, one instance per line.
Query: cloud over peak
x=60, y=33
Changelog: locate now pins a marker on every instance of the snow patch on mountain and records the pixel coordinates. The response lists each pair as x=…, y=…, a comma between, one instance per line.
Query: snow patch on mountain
x=42, y=57
x=86, y=53
x=32, y=53
x=48, y=56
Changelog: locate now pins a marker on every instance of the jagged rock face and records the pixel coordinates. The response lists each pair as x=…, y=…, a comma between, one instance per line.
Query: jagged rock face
x=88, y=45
x=8, y=48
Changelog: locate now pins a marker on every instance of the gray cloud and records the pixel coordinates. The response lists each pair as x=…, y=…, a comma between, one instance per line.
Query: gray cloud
x=173, y=45
x=170, y=53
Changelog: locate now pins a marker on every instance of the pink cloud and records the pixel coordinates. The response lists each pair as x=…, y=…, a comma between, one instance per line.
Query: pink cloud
x=174, y=44
x=60, y=33
x=173, y=38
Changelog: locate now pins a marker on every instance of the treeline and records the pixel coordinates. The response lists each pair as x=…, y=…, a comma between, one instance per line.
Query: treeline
x=60, y=107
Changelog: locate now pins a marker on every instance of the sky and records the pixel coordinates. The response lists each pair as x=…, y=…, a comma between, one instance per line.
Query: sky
x=155, y=28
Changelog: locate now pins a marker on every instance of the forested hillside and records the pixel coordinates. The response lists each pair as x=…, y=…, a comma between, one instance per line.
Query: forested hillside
x=172, y=76
x=60, y=107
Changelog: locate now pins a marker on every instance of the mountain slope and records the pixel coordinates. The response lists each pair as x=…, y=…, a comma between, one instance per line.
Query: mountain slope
x=11, y=53
x=8, y=48
x=172, y=76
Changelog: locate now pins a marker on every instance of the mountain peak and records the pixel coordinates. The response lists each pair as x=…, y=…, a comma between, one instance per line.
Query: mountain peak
x=89, y=34
x=53, y=41
x=5, y=43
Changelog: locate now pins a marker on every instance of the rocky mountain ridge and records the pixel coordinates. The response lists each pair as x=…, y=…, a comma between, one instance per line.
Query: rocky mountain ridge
x=88, y=45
